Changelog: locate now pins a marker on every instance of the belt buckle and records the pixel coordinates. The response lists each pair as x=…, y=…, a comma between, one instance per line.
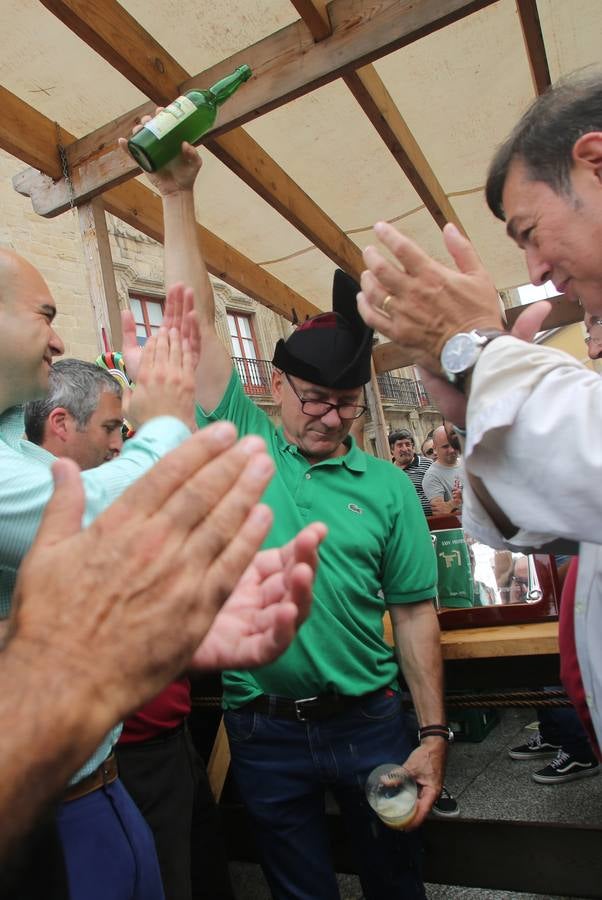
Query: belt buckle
x=299, y=707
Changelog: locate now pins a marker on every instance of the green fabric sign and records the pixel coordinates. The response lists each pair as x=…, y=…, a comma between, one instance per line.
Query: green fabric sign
x=455, y=584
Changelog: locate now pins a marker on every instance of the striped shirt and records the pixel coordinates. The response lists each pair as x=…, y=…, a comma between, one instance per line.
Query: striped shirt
x=415, y=472
x=26, y=487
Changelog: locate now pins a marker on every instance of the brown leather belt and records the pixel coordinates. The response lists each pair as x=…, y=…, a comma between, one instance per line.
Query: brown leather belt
x=309, y=709
x=105, y=774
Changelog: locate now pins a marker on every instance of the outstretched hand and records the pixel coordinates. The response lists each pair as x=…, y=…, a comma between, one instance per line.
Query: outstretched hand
x=268, y=605
x=179, y=313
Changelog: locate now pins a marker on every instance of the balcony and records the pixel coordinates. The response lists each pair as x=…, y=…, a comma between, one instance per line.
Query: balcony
x=256, y=377
x=403, y=392
x=255, y=374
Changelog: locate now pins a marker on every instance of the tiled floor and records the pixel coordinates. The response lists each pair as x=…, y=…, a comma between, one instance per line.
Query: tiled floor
x=487, y=784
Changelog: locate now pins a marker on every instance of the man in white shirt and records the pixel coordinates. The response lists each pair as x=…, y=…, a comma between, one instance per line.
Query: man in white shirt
x=517, y=398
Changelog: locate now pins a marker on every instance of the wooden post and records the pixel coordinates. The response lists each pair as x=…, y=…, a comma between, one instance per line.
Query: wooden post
x=100, y=274
x=378, y=416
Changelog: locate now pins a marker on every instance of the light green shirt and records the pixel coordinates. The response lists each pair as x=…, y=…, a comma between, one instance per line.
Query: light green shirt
x=26, y=487
x=378, y=552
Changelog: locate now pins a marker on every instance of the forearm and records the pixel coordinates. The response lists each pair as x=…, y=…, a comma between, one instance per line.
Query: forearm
x=51, y=723
x=417, y=639
x=183, y=259
x=184, y=263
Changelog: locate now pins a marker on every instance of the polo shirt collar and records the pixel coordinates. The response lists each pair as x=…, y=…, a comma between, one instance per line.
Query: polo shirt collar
x=354, y=459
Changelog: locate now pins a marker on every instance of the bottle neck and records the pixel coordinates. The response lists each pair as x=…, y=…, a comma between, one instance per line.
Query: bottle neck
x=225, y=87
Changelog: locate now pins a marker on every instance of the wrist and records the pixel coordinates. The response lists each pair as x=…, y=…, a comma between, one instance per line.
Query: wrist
x=438, y=732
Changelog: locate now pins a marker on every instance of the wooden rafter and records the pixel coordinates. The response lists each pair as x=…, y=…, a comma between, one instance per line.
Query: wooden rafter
x=534, y=42
x=286, y=65
x=141, y=208
x=388, y=356
x=315, y=15
x=369, y=90
x=129, y=48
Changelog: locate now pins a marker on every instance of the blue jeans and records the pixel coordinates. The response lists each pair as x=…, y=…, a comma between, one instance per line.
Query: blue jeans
x=109, y=849
x=282, y=769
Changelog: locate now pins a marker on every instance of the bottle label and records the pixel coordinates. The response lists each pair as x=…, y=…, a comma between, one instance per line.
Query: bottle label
x=172, y=115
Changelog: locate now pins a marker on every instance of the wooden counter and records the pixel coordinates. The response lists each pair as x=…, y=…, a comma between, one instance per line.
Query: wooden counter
x=534, y=639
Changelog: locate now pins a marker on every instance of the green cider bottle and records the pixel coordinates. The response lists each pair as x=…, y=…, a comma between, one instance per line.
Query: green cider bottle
x=186, y=119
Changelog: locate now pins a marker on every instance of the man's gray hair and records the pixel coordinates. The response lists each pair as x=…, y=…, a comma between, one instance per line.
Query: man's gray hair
x=74, y=385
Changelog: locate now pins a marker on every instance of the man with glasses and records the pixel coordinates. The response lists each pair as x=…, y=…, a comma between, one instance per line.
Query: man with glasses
x=329, y=711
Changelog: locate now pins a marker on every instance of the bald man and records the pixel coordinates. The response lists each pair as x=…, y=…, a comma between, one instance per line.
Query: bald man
x=444, y=479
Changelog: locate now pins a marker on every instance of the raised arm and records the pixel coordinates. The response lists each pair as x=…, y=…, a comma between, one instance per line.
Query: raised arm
x=184, y=263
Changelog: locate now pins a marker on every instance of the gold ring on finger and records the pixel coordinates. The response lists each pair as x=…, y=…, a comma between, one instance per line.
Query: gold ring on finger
x=386, y=302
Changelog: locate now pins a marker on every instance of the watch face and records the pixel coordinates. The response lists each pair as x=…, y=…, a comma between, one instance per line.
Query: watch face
x=459, y=354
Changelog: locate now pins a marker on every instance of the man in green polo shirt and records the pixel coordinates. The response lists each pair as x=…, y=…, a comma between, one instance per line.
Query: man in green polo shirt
x=329, y=710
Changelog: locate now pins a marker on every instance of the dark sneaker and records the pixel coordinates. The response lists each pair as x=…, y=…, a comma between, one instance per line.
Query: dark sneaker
x=565, y=767
x=445, y=804
x=534, y=749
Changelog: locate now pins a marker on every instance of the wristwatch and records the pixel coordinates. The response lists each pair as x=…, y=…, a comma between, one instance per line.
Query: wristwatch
x=461, y=352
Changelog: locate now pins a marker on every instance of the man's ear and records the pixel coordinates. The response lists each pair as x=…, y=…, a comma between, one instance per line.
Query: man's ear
x=587, y=151
x=277, y=379
x=57, y=424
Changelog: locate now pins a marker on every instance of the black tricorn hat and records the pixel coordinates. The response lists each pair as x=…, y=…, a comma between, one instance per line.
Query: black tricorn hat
x=332, y=349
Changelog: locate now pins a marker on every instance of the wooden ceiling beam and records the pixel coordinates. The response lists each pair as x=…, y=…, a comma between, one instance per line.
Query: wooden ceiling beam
x=369, y=90
x=315, y=15
x=29, y=135
x=116, y=36
x=286, y=65
x=534, y=43
x=141, y=208
x=122, y=41
x=389, y=356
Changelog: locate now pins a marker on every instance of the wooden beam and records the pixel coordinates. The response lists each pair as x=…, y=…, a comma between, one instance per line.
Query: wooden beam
x=534, y=43
x=118, y=38
x=370, y=92
x=391, y=356
x=315, y=15
x=100, y=274
x=286, y=65
x=122, y=41
x=29, y=135
x=377, y=414
x=246, y=158
x=141, y=208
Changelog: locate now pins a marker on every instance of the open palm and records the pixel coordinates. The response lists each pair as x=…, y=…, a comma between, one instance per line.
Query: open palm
x=270, y=602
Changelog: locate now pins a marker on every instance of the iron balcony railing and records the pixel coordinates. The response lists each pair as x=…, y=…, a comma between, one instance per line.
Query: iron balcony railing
x=256, y=377
x=255, y=374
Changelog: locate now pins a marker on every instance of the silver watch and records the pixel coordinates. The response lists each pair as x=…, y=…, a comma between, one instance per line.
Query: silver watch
x=461, y=352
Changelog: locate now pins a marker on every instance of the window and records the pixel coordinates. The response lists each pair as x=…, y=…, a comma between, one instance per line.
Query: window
x=148, y=315
x=244, y=351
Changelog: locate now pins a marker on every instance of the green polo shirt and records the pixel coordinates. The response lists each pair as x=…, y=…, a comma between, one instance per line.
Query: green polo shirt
x=378, y=552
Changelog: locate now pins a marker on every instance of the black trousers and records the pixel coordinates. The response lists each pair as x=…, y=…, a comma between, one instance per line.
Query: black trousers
x=167, y=780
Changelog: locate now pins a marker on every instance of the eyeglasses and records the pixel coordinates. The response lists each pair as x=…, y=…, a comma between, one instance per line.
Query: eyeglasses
x=320, y=408
x=430, y=452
